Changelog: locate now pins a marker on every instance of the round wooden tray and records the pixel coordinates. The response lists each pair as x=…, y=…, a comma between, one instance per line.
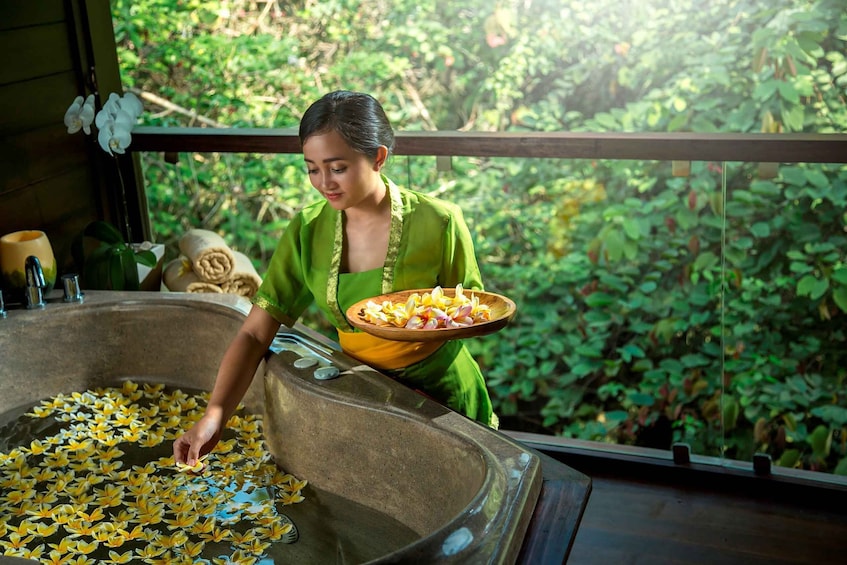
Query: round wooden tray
x=502, y=312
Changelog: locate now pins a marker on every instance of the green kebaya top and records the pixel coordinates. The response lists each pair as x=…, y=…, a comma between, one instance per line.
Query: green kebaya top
x=429, y=245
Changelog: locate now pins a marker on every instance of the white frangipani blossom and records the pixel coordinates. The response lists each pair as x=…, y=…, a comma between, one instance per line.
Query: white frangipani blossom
x=80, y=114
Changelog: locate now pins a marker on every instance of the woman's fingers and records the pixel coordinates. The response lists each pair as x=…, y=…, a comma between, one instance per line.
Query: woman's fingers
x=197, y=441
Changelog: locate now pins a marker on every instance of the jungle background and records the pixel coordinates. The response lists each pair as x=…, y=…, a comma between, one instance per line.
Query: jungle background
x=653, y=307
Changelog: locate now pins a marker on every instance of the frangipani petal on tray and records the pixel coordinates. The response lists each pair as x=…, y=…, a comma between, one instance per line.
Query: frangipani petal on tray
x=434, y=314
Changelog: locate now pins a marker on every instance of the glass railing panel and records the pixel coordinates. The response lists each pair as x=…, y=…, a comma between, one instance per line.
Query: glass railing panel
x=786, y=298
x=615, y=267
x=249, y=197
x=658, y=302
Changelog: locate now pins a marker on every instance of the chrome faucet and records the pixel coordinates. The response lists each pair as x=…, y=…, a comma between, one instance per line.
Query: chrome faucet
x=35, y=283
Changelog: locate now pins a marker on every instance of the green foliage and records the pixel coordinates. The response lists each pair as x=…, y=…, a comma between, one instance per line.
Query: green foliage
x=106, y=261
x=651, y=308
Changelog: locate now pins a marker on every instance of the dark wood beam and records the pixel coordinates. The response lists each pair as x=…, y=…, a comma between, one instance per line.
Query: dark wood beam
x=777, y=148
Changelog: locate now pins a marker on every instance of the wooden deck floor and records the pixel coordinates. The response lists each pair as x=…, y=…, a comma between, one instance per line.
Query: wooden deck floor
x=656, y=512
x=637, y=522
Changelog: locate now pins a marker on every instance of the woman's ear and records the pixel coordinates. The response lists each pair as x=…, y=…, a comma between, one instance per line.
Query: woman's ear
x=381, y=156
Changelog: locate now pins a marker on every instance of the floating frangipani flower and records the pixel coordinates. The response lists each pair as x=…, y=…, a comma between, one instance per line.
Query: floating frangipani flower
x=291, y=497
x=69, y=497
x=126, y=557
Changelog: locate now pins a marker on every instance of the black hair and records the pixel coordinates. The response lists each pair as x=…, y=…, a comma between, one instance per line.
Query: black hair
x=356, y=116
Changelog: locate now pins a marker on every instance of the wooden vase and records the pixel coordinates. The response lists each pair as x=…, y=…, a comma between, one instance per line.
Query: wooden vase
x=15, y=247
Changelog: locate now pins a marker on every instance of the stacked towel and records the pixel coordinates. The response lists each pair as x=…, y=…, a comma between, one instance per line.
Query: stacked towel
x=179, y=277
x=207, y=264
x=244, y=279
x=210, y=257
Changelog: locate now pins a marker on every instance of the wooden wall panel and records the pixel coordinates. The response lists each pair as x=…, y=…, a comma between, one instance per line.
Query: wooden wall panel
x=21, y=13
x=17, y=210
x=65, y=196
x=39, y=155
x=36, y=103
x=36, y=52
x=68, y=203
x=44, y=203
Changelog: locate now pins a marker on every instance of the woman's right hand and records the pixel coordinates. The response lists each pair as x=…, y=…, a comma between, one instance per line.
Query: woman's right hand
x=199, y=440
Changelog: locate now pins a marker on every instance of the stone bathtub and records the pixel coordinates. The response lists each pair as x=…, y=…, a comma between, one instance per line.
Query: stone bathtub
x=461, y=493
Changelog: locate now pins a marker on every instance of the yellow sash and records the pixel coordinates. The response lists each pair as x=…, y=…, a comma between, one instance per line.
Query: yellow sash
x=383, y=353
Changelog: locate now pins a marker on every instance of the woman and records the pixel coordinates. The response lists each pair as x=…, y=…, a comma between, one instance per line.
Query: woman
x=366, y=237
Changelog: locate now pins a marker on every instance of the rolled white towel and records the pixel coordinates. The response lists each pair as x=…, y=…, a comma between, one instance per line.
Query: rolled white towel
x=178, y=277
x=211, y=259
x=245, y=280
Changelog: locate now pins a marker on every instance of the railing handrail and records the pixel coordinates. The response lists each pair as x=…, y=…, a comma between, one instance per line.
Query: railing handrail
x=681, y=146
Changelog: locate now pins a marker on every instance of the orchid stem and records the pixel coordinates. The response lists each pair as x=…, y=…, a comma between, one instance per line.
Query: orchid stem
x=125, y=206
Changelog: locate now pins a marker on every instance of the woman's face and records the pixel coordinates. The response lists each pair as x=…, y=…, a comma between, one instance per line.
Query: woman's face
x=345, y=177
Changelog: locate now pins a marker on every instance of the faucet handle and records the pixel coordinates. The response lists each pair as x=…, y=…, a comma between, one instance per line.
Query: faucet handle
x=35, y=283
x=34, y=272
x=70, y=284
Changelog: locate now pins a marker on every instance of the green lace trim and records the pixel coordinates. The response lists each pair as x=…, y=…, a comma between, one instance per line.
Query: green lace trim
x=272, y=309
x=396, y=231
x=334, y=270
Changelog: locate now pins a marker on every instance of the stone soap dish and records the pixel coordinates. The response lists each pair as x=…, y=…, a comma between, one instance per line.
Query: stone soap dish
x=326, y=373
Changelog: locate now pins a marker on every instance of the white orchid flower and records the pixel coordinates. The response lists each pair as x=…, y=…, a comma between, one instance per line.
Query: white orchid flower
x=114, y=136
x=111, y=106
x=72, y=120
x=80, y=114
x=132, y=105
x=128, y=103
x=114, y=121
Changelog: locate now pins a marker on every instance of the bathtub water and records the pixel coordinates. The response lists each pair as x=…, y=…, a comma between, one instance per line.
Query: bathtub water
x=392, y=477
x=76, y=466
